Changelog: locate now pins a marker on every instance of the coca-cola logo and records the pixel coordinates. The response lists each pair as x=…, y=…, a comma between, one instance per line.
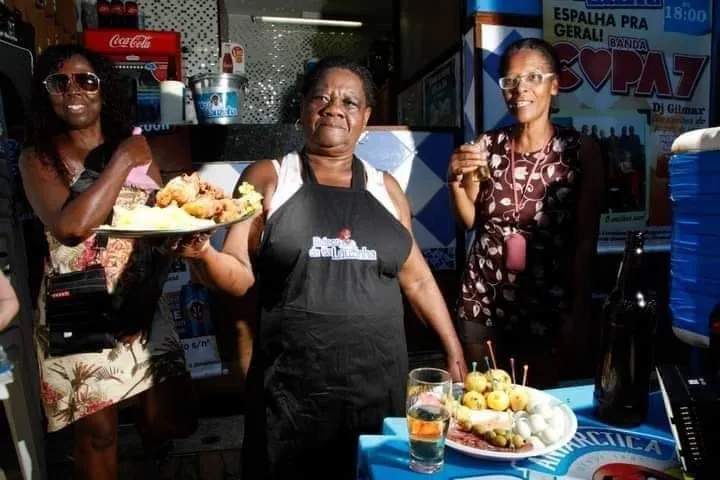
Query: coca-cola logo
x=136, y=41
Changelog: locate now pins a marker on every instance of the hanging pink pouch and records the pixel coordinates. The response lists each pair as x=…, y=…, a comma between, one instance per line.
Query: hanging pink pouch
x=515, y=251
x=516, y=243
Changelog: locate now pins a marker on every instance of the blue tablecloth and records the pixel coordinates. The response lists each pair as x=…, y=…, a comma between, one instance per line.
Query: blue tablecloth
x=596, y=452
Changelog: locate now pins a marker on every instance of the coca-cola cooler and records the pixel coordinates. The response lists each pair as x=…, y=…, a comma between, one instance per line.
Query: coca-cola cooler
x=145, y=58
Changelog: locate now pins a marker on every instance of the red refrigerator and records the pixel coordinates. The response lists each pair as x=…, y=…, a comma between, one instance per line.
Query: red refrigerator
x=145, y=58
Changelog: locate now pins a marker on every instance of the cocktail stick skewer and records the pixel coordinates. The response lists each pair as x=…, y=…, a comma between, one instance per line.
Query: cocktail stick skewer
x=492, y=354
x=525, y=370
x=512, y=370
x=487, y=363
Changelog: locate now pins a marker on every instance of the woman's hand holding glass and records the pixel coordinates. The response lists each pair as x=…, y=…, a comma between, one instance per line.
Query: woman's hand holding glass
x=469, y=159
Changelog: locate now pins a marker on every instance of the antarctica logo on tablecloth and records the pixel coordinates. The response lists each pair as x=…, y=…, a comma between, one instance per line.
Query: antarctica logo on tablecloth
x=597, y=453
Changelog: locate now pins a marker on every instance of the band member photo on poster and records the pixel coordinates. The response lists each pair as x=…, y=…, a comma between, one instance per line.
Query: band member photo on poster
x=622, y=138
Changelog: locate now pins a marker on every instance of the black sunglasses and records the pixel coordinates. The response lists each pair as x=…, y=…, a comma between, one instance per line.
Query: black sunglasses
x=59, y=83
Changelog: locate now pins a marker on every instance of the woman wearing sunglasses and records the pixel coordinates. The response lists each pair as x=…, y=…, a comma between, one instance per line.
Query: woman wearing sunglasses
x=535, y=215
x=74, y=171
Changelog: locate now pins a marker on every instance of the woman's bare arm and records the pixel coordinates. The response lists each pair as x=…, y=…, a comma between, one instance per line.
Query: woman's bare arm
x=48, y=193
x=9, y=304
x=422, y=292
x=230, y=270
x=462, y=199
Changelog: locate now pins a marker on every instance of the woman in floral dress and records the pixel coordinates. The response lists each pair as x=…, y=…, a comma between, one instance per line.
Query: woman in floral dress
x=526, y=284
x=79, y=121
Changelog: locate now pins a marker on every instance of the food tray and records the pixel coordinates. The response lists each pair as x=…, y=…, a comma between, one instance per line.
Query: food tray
x=142, y=232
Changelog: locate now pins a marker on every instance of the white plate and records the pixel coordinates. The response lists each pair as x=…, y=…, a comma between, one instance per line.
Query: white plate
x=129, y=232
x=537, y=395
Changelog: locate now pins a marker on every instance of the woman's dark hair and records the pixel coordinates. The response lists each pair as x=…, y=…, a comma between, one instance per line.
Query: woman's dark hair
x=328, y=63
x=536, y=44
x=115, y=114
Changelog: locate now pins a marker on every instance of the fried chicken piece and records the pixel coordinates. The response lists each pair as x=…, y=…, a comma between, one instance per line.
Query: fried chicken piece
x=211, y=190
x=163, y=198
x=229, y=211
x=181, y=190
x=203, y=207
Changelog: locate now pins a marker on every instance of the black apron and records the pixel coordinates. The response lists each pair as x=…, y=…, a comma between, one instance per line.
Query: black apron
x=329, y=360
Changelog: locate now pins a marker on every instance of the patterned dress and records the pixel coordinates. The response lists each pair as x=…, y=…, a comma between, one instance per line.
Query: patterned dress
x=74, y=386
x=523, y=311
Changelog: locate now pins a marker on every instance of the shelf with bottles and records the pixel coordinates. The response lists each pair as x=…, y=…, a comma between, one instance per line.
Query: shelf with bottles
x=110, y=14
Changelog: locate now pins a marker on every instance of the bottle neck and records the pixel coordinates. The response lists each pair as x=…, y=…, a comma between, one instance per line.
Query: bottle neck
x=631, y=277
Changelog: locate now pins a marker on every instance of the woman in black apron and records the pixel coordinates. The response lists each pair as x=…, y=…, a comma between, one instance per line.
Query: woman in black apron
x=329, y=358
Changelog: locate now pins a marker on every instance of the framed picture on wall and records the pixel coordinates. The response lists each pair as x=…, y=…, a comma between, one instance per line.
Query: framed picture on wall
x=441, y=92
x=410, y=105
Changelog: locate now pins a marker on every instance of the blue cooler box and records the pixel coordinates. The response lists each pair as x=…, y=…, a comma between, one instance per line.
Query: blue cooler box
x=695, y=245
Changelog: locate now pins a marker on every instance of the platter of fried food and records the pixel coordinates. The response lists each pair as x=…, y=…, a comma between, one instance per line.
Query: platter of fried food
x=494, y=418
x=185, y=205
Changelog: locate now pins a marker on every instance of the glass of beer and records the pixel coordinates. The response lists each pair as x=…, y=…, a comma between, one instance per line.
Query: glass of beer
x=480, y=174
x=428, y=417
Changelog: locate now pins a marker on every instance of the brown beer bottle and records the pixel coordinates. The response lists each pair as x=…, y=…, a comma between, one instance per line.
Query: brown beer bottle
x=131, y=14
x=103, y=13
x=622, y=380
x=117, y=14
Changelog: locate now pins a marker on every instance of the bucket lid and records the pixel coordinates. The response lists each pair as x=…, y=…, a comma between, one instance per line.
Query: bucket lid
x=218, y=76
x=700, y=140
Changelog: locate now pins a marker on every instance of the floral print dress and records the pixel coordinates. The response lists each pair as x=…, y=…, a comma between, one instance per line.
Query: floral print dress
x=77, y=385
x=527, y=308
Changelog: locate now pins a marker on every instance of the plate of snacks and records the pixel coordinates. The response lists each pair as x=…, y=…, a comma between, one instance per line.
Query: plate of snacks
x=184, y=206
x=496, y=418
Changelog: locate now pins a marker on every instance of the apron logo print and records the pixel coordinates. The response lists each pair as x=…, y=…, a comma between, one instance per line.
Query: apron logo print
x=340, y=248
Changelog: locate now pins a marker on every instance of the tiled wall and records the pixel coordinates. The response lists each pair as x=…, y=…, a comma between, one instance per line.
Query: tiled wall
x=197, y=22
x=276, y=55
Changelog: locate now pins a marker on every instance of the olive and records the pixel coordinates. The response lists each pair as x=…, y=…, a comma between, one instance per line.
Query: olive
x=518, y=441
x=479, y=430
x=500, y=441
